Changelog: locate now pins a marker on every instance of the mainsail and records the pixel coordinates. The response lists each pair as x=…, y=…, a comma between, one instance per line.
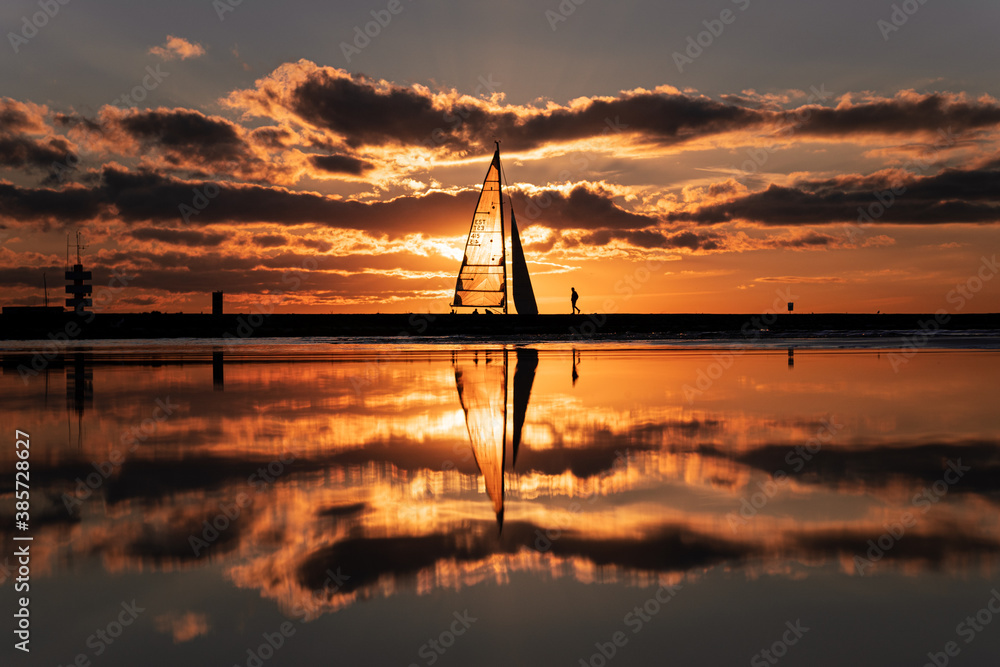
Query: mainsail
x=482, y=280
x=482, y=391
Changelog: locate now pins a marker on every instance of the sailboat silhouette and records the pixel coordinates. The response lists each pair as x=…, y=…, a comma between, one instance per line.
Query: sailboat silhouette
x=482, y=391
x=482, y=279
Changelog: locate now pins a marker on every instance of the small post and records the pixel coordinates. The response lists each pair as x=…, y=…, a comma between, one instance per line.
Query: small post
x=217, y=303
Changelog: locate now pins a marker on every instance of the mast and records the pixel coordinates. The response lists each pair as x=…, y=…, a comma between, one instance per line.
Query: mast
x=503, y=236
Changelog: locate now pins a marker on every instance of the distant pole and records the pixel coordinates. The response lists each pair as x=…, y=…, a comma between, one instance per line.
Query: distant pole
x=791, y=306
x=217, y=303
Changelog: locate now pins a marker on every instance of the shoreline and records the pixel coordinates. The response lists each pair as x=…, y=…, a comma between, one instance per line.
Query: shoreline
x=592, y=326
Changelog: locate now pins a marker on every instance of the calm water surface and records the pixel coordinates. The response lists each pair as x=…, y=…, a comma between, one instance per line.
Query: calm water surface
x=366, y=505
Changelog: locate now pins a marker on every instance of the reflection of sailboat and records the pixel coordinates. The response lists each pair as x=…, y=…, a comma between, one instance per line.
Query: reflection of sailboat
x=482, y=391
x=482, y=280
x=524, y=377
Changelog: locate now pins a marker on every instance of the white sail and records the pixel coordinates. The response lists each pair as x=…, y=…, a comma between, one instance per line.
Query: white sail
x=482, y=391
x=482, y=280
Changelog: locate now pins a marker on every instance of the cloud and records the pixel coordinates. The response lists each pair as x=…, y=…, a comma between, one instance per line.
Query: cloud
x=908, y=112
x=371, y=112
x=800, y=280
x=49, y=206
x=951, y=196
x=53, y=155
x=177, y=47
x=363, y=111
x=22, y=148
x=340, y=164
x=190, y=238
x=270, y=240
x=183, y=627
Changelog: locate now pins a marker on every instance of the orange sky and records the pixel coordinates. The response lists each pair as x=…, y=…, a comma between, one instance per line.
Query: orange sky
x=316, y=189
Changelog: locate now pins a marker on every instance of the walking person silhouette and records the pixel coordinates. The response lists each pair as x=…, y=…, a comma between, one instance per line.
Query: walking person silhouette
x=572, y=298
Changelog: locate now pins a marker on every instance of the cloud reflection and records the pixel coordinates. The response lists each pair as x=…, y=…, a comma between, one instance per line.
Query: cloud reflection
x=395, y=479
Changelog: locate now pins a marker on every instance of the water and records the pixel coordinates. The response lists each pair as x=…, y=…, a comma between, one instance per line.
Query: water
x=296, y=503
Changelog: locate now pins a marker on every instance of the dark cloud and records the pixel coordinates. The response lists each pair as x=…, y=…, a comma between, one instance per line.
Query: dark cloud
x=190, y=238
x=50, y=206
x=366, y=111
x=908, y=112
x=26, y=153
x=582, y=208
x=20, y=150
x=187, y=136
x=316, y=244
x=270, y=240
x=145, y=196
x=340, y=164
x=951, y=196
x=652, y=238
x=271, y=137
x=363, y=112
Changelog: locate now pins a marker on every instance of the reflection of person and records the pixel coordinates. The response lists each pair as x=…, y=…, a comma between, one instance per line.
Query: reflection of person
x=572, y=298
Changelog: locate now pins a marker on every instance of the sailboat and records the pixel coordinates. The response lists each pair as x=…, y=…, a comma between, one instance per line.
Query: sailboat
x=482, y=391
x=482, y=280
